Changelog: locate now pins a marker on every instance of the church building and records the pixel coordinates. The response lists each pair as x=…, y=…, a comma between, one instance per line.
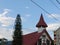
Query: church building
x=40, y=37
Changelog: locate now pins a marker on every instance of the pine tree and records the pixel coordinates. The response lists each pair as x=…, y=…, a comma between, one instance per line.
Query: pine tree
x=17, y=37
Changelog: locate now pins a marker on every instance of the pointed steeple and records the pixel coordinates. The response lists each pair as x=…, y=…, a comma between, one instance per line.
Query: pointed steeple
x=41, y=22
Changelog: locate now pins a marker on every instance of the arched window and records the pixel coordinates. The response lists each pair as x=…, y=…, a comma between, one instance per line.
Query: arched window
x=48, y=42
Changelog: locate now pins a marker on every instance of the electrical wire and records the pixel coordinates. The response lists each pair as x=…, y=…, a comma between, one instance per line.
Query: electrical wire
x=44, y=10
x=57, y=1
x=54, y=4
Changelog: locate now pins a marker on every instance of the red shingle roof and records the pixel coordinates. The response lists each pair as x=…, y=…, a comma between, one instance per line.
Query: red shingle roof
x=32, y=38
x=41, y=22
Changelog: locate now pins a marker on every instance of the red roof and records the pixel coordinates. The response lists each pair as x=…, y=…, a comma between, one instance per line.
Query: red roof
x=41, y=22
x=32, y=38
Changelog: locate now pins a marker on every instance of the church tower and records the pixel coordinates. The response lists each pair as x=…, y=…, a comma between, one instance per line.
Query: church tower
x=41, y=25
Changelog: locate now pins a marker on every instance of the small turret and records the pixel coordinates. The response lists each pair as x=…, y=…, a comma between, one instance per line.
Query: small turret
x=41, y=24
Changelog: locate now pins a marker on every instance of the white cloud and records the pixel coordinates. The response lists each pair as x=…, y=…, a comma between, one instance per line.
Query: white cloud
x=27, y=15
x=5, y=20
x=6, y=11
x=53, y=26
x=26, y=7
x=6, y=33
x=54, y=15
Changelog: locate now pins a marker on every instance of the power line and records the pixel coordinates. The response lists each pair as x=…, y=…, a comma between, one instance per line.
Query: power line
x=44, y=10
x=57, y=1
x=54, y=4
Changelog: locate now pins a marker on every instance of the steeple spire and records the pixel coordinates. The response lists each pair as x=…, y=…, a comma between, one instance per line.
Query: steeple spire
x=41, y=22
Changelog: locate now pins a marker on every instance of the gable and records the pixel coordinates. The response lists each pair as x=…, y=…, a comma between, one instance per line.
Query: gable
x=47, y=37
x=32, y=38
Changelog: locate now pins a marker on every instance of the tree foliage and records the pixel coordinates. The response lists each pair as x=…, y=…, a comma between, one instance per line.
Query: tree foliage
x=17, y=36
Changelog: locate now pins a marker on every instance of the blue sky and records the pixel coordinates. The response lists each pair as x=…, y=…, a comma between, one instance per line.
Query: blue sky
x=30, y=14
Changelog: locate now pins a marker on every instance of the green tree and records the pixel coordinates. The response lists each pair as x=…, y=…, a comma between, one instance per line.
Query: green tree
x=17, y=36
